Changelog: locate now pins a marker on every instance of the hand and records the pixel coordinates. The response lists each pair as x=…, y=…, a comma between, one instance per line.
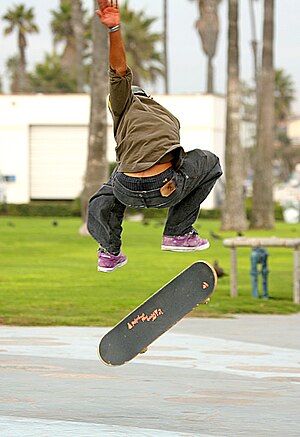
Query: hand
x=109, y=12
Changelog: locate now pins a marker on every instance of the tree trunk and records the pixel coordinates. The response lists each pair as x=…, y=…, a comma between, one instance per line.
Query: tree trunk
x=68, y=59
x=78, y=29
x=262, y=215
x=208, y=28
x=97, y=166
x=22, y=73
x=253, y=37
x=233, y=213
x=210, y=76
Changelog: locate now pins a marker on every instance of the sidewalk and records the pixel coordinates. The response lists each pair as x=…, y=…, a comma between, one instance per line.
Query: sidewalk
x=205, y=377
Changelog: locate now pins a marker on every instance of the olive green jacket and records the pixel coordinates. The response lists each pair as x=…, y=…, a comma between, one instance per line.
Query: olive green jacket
x=144, y=130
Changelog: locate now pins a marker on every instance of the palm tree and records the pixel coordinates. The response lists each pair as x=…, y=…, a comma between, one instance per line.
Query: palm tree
x=71, y=27
x=233, y=212
x=262, y=215
x=284, y=94
x=22, y=20
x=97, y=167
x=140, y=45
x=61, y=25
x=13, y=69
x=208, y=28
x=49, y=77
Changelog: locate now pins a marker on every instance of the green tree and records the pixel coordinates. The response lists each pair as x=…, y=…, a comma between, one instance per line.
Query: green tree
x=140, y=42
x=22, y=20
x=13, y=69
x=233, y=211
x=140, y=45
x=284, y=95
x=262, y=214
x=50, y=77
x=71, y=27
x=61, y=25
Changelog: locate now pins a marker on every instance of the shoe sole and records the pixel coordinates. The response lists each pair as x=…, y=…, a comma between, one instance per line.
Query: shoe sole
x=185, y=249
x=109, y=270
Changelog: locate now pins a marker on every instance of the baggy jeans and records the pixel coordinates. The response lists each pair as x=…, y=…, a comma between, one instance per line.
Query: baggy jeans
x=194, y=181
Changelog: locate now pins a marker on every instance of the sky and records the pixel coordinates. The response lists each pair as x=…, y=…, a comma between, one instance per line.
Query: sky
x=187, y=62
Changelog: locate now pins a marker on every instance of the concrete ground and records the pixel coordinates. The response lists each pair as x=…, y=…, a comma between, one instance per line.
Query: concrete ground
x=205, y=377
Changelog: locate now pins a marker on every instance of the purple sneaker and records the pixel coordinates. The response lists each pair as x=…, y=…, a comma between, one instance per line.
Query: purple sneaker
x=184, y=243
x=108, y=262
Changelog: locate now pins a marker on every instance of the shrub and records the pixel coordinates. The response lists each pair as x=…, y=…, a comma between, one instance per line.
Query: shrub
x=42, y=209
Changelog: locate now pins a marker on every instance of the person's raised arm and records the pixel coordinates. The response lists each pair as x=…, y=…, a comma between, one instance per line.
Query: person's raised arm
x=110, y=16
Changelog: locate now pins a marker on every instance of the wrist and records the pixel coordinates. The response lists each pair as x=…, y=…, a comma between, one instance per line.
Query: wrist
x=114, y=28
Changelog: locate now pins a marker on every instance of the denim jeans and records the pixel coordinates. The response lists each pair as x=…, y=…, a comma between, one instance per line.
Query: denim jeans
x=194, y=181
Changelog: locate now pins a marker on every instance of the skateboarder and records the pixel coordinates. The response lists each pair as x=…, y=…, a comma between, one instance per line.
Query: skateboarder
x=153, y=171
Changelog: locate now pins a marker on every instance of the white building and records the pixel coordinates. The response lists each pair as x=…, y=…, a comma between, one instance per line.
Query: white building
x=43, y=140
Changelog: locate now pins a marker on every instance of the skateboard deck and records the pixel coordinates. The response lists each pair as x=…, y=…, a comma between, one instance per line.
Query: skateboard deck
x=132, y=335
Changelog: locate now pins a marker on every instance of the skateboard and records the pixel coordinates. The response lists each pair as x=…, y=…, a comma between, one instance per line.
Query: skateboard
x=132, y=335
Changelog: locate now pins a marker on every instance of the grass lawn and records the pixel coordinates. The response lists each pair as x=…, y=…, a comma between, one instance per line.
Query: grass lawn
x=48, y=273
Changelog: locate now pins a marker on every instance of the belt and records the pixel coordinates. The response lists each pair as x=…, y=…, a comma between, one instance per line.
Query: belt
x=152, y=171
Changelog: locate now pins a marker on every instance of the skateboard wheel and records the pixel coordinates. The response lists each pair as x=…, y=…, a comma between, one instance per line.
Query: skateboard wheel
x=206, y=301
x=143, y=350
